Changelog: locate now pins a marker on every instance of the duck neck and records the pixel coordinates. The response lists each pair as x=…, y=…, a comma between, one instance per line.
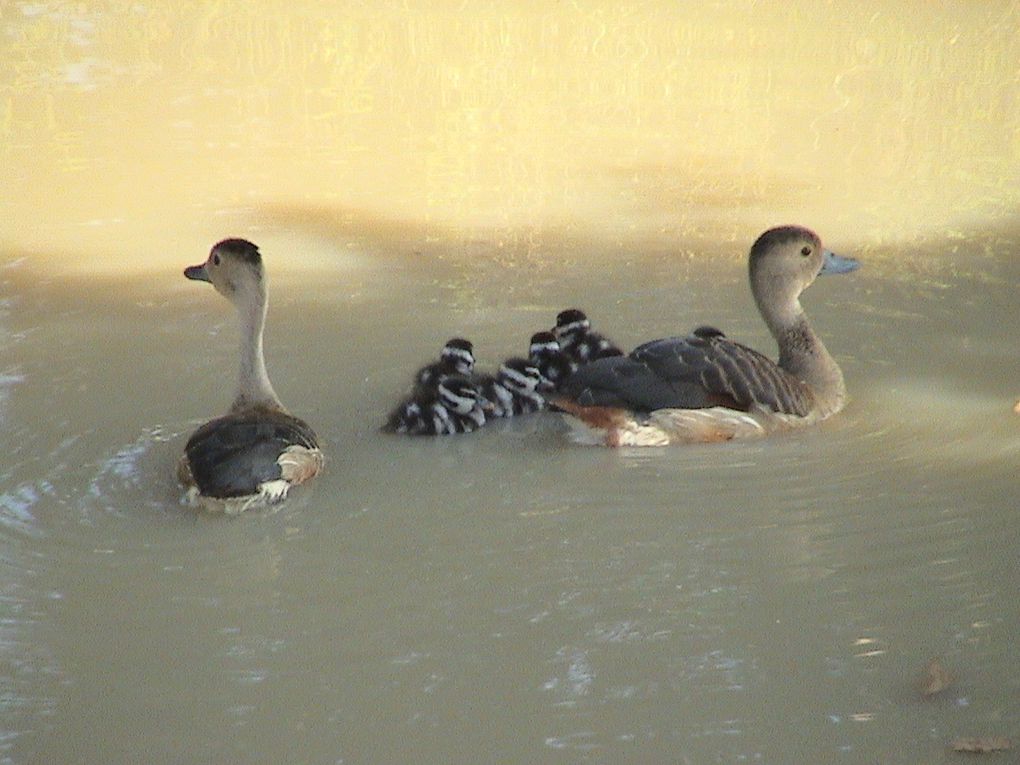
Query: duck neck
x=803, y=355
x=253, y=387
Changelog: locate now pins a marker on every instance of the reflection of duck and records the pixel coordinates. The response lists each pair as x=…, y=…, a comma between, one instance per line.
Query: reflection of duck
x=456, y=358
x=454, y=405
x=579, y=341
x=706, y=387
x=513, y=390
x=255, y=453
x=553, y=364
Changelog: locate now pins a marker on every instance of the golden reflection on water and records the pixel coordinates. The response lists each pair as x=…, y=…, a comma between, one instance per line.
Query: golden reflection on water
x=123, y=125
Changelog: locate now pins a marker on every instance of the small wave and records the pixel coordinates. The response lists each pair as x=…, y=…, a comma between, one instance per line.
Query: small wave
x=16, y=508
x=130, y=470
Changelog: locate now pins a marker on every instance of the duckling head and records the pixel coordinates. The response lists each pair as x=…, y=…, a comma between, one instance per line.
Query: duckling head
x=542, y=343
x=459, y=354
x=570, y=325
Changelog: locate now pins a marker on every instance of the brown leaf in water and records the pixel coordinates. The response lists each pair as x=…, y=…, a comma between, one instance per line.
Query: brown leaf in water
x=935, y=678
x=1016, y=406
x=982, y=745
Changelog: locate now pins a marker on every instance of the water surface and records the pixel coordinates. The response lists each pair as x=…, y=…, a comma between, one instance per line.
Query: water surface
x=504, y=596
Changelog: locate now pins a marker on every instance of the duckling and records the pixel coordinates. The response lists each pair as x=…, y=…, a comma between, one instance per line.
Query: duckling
x=706, y=387
x=553, y=364
x=456, y=358
x=578, y=341
x=707, y=332
x=513, y=390
x=454, y=405
x=255, y=453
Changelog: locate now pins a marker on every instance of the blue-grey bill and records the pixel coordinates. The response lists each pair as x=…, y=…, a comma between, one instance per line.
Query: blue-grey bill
x=837, y=264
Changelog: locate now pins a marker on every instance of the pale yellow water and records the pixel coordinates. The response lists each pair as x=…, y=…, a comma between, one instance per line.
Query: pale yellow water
x=416, y=171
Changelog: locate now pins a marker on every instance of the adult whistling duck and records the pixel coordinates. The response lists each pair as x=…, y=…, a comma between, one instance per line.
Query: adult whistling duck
x=707, y=387
x=255, y=453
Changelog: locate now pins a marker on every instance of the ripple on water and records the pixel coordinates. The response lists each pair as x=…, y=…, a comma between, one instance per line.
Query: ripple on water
x=137, y=474
x=29, y=667
x=17, y=508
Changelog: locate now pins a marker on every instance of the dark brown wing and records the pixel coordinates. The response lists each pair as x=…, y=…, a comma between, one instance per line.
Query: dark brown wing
x=724, y=369
x=702, y=370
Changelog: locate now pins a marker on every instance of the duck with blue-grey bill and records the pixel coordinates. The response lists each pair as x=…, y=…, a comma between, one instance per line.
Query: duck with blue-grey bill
x=706, y=387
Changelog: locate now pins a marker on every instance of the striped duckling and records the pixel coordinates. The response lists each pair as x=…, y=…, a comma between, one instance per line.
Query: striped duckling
x=256, y=452
x=513, y=390
x=554, y=366
x=579, y=341
x=706, y=387
x=456, y=358
x=453, y=405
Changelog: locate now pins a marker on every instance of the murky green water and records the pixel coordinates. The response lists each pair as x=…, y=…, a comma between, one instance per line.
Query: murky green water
x=503, y=596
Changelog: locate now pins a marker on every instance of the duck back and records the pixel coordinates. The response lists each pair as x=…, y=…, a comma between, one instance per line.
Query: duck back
x=727, y=372
x=696, y=372
x=235, y=455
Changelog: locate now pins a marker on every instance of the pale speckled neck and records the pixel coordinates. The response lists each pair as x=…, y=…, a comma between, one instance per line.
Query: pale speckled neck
x=801, y=352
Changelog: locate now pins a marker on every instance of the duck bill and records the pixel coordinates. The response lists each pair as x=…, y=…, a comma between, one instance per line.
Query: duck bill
x=198, y=273
x=837, y=264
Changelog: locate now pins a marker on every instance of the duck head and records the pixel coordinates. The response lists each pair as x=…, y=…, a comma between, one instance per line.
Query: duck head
x=785, y=261
x=234, y=268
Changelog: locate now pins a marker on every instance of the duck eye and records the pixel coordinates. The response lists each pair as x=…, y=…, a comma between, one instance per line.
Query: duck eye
x=216, y=259
x=805, y=251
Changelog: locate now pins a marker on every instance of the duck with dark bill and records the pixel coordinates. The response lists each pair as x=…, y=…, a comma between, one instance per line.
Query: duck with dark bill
x=255, y=453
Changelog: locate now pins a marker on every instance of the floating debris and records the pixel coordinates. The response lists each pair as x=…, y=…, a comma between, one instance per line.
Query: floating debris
x=935, y=678
x=982, y=745
x=1016, y=406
